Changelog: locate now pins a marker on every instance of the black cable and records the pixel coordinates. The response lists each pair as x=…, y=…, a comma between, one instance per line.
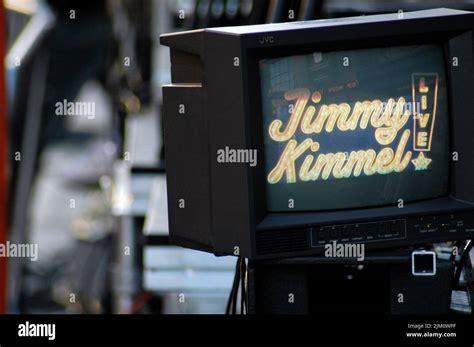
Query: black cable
x=462, y=261
x=233, y=292
x=243, y=290
x=245, y=285
x=229, y=300
x=246, y=288
x=240, y=280
x=241, y=287
x=236, y=290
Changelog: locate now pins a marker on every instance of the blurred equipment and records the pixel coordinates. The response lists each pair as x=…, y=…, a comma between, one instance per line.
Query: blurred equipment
x=3, y=165
x=285, y=11
x=25, y=61
x=49, y=62
x=343, y=8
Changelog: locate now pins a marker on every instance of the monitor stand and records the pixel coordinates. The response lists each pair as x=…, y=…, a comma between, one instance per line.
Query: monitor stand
x=381, y=283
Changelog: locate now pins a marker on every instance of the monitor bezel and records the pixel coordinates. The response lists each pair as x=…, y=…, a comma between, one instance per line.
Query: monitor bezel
x=312, y=42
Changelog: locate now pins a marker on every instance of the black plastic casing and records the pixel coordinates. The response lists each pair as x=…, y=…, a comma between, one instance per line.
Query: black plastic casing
x=214, y=103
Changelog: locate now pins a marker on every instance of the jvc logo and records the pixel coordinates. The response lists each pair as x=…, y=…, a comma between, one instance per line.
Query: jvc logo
x=267, y=40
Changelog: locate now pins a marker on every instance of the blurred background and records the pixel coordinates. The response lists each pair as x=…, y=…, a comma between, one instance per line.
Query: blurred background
x=87, y=180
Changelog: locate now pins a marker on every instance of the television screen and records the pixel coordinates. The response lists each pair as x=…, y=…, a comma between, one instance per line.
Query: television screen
x=354, y=129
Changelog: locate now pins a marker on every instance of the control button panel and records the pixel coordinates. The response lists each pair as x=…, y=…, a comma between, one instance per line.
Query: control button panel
x=444, y=223
x=417, y=228
x=359, y=232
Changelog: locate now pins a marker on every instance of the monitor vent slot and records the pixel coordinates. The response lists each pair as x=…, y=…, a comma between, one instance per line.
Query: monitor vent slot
x=282, y=241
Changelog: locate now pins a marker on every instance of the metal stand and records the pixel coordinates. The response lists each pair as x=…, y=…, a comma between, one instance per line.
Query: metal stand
x=381, y=283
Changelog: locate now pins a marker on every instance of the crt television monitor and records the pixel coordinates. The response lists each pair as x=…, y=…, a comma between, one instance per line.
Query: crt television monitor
x=281, y=138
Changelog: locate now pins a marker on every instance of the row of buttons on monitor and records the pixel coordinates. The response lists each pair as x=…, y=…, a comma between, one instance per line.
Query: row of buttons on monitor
x=358, y=232
x=441, y=224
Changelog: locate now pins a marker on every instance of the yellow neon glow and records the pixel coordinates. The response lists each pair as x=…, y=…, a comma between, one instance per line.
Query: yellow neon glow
x=337, y=164
x=423, y=120
x=386, y=118
x=421, y=163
